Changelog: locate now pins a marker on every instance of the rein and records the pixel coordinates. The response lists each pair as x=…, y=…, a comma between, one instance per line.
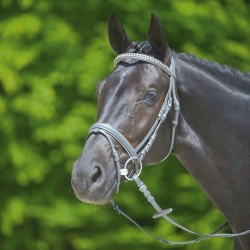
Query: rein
x=137, y=154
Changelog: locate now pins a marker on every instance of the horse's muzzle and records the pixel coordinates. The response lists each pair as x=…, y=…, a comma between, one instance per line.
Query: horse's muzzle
x=89, y=185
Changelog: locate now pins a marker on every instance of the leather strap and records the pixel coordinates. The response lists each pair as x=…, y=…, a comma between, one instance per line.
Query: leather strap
x=204, y=236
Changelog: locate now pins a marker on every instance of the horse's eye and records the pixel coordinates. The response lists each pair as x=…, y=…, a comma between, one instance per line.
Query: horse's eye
x=150, y=96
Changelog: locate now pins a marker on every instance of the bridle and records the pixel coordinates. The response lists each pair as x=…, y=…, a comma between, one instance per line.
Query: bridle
x=137, y=154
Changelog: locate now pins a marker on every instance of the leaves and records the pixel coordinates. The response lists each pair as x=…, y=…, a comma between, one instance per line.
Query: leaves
x=52, y=55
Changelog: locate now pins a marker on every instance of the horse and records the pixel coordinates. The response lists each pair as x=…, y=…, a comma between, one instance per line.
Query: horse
x=207, y=130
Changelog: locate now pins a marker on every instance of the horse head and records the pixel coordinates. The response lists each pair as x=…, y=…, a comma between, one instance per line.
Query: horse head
x=129, y=99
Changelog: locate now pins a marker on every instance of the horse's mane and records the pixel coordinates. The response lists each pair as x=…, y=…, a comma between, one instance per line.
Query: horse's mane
x=141, y=47
x=215, y=68
x=223, y=71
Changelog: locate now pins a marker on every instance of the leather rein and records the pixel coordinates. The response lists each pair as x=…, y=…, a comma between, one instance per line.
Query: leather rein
x=137, y=154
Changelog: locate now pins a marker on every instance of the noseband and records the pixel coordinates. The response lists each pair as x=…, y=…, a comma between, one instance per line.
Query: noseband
x=137, y=154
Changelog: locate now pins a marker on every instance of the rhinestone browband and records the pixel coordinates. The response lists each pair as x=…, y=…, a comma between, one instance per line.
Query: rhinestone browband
x=144, y=58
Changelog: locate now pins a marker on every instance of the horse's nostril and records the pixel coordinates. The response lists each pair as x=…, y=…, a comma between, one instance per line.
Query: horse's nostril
x=96, y=175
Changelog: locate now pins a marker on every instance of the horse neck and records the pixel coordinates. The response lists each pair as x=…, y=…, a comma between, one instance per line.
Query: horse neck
x=213, y=139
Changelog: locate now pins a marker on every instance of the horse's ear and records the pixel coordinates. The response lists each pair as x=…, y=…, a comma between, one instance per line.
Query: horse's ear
x=157, y=38
x=118, y=39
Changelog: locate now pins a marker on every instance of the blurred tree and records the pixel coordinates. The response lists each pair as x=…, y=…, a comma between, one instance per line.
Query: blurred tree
x=52, y=54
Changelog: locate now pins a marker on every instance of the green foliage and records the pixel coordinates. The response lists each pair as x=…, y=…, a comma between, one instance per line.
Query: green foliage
x=52, y=54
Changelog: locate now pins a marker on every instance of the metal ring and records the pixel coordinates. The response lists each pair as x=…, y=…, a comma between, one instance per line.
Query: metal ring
x=125, y=167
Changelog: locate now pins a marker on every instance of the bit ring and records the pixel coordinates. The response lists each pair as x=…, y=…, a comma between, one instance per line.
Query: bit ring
x=125, y=173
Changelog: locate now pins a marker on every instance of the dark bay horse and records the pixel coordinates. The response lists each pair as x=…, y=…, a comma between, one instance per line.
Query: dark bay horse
x=212, y=138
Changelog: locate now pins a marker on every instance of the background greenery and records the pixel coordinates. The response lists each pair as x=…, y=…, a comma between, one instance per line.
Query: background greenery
x=52, y=54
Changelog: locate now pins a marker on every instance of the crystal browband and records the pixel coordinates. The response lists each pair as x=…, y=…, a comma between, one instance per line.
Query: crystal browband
x=144, y=58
